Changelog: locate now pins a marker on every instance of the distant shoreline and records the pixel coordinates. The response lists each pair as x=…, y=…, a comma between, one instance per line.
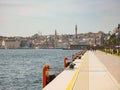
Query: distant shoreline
x=40, y=48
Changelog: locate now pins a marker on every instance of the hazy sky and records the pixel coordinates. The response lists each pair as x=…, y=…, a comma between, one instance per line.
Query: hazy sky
x=27, y=17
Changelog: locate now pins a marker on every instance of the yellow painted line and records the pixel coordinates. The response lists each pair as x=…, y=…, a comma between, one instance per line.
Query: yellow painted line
x=70, y=85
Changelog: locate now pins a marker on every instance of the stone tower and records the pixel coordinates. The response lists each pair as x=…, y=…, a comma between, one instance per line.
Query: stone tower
x=76, y=31
x=55, y=39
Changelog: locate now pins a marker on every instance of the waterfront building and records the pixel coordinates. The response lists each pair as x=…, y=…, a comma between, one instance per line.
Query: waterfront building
x=12, y=44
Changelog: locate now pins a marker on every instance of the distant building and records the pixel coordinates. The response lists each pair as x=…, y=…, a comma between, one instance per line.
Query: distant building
x=12, y=44
x=79, y=47
x=2, y=44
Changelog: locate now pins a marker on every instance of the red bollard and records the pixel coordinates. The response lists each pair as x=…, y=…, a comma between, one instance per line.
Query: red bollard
x=65, y=62
x=73, y=57
x=44, y=75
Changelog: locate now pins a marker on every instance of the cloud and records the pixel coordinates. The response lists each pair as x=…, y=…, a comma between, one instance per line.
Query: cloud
x=58, y=13
x=110, y=7
x=40, y=10
x=47, y=8
x=30, y=8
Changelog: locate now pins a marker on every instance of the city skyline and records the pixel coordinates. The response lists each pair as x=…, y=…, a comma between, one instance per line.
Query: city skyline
x=27, y=17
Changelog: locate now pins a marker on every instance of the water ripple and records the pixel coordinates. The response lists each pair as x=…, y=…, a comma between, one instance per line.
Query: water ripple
x=21, y=69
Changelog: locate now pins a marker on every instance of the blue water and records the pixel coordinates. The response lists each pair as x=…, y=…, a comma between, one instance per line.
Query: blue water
x=20, y=69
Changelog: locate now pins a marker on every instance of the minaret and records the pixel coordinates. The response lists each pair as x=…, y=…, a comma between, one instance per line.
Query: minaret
x=55, y=33
x=118, y=26
x=55, y=38
x=76, y=31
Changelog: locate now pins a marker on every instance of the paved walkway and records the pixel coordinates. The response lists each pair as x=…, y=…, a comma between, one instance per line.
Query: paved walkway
x=82, y=81
x=95, y=76
x=111, y=62
x=94, y=71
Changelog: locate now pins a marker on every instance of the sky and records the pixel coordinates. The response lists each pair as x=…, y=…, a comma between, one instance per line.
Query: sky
x=28, y=17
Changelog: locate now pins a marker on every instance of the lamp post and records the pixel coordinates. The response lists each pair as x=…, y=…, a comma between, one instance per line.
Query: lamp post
x=117, y=41
x=118, y=38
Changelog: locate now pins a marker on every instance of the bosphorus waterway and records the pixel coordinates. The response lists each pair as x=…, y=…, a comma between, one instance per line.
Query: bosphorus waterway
x=20, y=69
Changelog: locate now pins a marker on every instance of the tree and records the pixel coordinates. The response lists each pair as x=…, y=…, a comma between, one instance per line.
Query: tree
x=23, y=44
x=112, y=40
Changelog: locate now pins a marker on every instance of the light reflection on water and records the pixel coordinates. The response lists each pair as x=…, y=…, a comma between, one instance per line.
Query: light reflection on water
x=20, y=69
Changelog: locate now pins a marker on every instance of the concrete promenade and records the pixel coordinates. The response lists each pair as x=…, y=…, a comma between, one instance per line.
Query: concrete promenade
x=100, y=71
x=96, y=70
x=111, y=62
